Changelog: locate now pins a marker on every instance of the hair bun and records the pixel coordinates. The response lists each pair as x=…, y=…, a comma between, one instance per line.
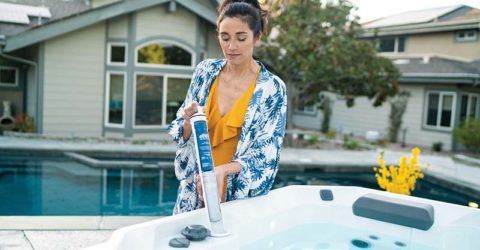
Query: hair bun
x=253, y=3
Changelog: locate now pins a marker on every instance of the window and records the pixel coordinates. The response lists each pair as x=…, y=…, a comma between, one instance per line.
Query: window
x=8, y=76
x=304, y=108
x=117, y=54
x=466, y=36
x=469, y=105
x=391, y=44
x=148, y=100
x=115, y=105
x=440, y=110
x=160, y=53
x=386, y=45
x=177, y=90
x=158, y=98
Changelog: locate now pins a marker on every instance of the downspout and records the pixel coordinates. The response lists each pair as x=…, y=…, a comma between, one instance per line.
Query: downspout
x=31, y=63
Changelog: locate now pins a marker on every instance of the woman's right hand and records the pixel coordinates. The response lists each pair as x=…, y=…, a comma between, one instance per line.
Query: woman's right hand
x=187, y=114
x=200, y=189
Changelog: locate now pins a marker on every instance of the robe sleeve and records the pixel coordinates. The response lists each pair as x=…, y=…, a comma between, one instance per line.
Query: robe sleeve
x=259, y=164
x=184, y=162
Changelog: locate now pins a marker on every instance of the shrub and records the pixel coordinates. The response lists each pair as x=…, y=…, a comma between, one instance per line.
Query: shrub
x=139, y=142
x=313, y=139
x=469, y=134
x=24, y=123
x=383, y=142
x=350, y=144
x=331, y=134
x=437, y=146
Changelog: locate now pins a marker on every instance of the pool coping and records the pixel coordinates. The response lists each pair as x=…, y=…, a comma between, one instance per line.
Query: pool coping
x=71, y=222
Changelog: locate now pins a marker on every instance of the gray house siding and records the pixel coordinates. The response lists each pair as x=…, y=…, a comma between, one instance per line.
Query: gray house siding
x=360, y=118
x=308, y=121
x=363, y=117
x=118, y=27
x=213, y=48
x=158, y=21
x=73, y=83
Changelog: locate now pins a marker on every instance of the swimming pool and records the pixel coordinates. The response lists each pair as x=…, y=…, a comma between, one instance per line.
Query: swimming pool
x=296, y=217
x=62, y=187
x=59, y=186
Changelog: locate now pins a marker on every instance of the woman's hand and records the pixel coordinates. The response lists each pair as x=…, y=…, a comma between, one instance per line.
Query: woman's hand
x=220, y=176
x=187, y=114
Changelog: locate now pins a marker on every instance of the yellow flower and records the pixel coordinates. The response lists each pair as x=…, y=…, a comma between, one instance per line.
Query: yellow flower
x=399, y=179
x=473, y=204
x=416, y=151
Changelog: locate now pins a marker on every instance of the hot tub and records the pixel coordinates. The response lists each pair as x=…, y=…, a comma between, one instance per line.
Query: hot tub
x=319, y=217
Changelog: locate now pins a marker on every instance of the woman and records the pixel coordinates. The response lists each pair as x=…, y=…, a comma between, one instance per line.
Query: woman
x=245, y=106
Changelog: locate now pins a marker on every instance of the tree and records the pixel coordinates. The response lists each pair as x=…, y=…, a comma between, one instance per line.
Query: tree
x=398, y=106
x=314, y=46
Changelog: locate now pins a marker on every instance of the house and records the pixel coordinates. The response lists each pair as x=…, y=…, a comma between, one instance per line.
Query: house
x=107, y=68
x=437, y=52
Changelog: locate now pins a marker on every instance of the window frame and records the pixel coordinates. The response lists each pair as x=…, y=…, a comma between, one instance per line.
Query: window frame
x=469, y=103
x=109, y=53
x=441, y=94
x=466, y=39
x=312, y=112
x=305, y=112
x=396, y=45
x=107, y=99
x=17, y=77
x=165, y=76
x=166, y=66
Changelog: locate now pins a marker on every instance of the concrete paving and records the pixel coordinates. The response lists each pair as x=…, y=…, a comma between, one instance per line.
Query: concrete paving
x=442, y=167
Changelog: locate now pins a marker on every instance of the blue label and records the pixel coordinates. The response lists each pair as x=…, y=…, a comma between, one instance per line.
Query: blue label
x=203, y=144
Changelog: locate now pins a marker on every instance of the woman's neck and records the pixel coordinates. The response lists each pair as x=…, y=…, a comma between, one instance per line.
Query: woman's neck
x=241, y=70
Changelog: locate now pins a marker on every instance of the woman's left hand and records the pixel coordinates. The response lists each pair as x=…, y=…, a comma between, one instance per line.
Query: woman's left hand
x=220, y=174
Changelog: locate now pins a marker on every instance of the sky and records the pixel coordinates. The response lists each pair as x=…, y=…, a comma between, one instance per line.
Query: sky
x=372, y=9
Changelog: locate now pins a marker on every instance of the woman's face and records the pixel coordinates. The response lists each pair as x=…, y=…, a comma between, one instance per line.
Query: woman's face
x=236, y=40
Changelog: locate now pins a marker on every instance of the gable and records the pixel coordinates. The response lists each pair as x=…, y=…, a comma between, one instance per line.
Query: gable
x=93, y=16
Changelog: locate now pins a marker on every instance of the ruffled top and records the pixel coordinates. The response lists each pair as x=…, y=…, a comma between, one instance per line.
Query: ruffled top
x=224, y=131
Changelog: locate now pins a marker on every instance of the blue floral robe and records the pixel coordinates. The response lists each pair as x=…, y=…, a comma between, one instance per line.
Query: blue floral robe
x=258, y=149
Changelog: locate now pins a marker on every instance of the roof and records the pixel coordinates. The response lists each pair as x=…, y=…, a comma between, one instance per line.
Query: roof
x=458, y=17
x=411, y=17
x=58, y=10
x=78, y=20
x=442, y=69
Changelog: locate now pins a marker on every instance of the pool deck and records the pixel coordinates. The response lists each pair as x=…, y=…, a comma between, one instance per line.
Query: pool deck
x=464, y=174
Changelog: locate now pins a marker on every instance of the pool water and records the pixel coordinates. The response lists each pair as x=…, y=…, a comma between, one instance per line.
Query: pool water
x=315, y=236
x=60, y=186
x=43, y=186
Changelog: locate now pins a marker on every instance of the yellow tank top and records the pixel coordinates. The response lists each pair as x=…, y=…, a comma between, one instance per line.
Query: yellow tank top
x=224, y=131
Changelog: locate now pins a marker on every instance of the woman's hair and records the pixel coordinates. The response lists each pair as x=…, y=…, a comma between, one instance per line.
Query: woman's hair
x=249, y=11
